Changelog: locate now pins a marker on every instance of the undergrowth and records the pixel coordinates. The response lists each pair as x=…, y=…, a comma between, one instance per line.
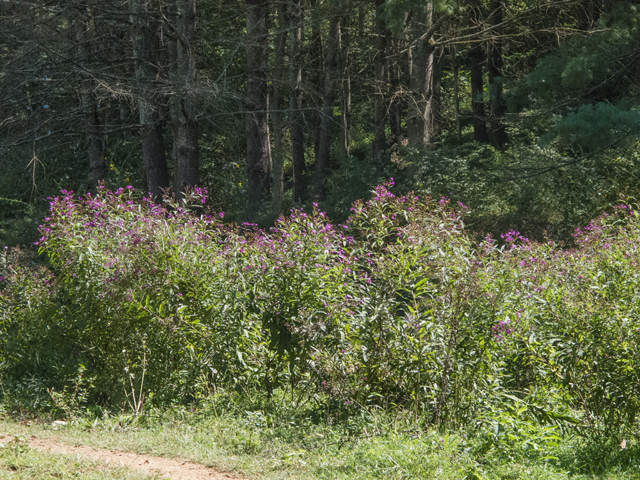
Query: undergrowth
x=146, y=305
x=290, y=441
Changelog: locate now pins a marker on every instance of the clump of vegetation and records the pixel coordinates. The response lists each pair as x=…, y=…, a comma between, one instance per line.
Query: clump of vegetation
x=398, y=308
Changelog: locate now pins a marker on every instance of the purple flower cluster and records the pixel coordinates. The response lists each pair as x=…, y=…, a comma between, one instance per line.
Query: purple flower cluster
x=400, y=270
x=502, y=329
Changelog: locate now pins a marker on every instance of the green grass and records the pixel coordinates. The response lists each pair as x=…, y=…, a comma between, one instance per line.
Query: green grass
x=254, y=445
x=19, y=461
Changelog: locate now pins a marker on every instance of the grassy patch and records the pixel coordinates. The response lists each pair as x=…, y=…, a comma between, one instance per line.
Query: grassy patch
x=254, y=446
x=19, y=461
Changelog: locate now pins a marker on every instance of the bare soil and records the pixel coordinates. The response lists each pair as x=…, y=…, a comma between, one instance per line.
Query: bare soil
x=164, y=468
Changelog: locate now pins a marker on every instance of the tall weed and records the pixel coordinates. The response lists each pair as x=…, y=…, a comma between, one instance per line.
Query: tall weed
x=397, y=307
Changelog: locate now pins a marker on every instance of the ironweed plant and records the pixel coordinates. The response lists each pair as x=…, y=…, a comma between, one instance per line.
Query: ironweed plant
x=397, y=307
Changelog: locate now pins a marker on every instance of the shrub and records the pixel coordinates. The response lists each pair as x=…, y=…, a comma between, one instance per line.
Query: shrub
x=398, y=306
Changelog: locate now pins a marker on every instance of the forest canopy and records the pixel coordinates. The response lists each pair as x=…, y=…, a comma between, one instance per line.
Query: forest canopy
x=524, y=110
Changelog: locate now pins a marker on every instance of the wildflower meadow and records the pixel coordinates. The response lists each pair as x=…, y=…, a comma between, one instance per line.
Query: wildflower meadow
x=146, y=305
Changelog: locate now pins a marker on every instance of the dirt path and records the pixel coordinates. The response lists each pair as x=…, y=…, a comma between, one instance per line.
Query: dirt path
x=165, y=468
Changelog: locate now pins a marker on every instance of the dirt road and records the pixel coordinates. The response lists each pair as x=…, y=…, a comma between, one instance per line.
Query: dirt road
x=164, y=468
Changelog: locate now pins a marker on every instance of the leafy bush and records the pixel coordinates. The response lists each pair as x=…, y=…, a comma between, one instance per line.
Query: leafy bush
x=18, y=222
x=539, y=192
x=397, y=307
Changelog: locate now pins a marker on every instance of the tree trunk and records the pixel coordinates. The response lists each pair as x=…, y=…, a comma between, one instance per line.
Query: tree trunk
x=316, y=80
x=424, y=110
x=433, y=123
x=494, y=67
x=345, y=83
x=94, y=143
x=185, y=127
x=93, y=135
x=415, y=118
x=145, y=43
x=379, y=90
x=258, y=164
x=277, y=115
x=395, y=99
x=396, y=72
x=295, y=99
x=330, y=84
x=476, y=55
x=456, y=95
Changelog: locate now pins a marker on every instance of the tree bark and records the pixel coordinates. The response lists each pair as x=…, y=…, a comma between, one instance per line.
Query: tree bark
x=396, y=72
x=379, y=64
x=277, y=115
x=426, y=71
x=330, y=91
x=433, y=121
x=476, y=55
x=257, y=129
x=295, y=99
x=456, y=95
x=185, y=126
x=94, y=141
x=316, y=77
x=345, y=82
x=395, y=99
x=93, y=135
x=145, y=43
x=415, y=115
x=495, y=67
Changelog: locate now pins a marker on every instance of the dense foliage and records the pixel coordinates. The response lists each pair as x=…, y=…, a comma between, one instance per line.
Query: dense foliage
x=399, y=306
x=275, y=284
x=531, y=121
